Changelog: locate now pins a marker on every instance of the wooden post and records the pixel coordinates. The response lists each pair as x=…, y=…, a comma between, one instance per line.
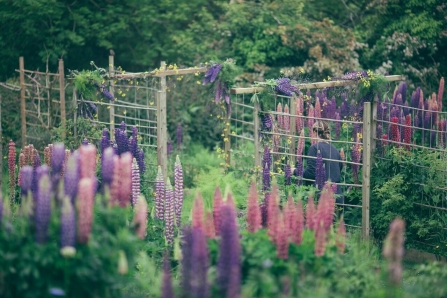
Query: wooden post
x=162, y=139
x=111, y=90
x=293, y=131
x=22, y=99
x=366, y=170
x=256, y=134
x=375, y=104
x=62, y=96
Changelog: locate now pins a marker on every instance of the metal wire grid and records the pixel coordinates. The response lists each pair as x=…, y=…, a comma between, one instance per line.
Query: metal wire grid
x=135, y=104
x=284, y=141
x=242, y=133
x=425, y=135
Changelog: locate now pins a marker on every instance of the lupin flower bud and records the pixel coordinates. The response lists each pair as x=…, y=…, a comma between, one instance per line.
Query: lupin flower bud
x=298, y=120
x=159, y=195
x=440, y=94
x=267, y=159
x=264, y=210
x=47, y=156
x=105, y=143
x=310, y=115
x=326, y=208
x=208, y=223
x=393, y=250
x=394, y=131
x=310, y=214
x=39, y=173
x=43, y=209
x=68, y=225
x=355, y=155
x=228, y=263
x=178, y=190
x=84, y=142
x=198, y=212
x=85, y=204
x=135, y=182
x=87, y=161
x=64, y=168
x=126, y=179
x=140, y=217
x=320, y=173
x=123, y=126
x=133, y=146
x=26, y=173
x=169, y=212
x=253, y=212
x=12, y=169
x=107, y=166
x=407, y=131
x=199, y=282
x=273, y=212
x=299, y=170
x=217, y=203
x=36, y=162
x=341, y=237
x=317, y=109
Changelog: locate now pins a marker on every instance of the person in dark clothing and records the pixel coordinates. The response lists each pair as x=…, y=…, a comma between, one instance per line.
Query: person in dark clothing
x=333, y=166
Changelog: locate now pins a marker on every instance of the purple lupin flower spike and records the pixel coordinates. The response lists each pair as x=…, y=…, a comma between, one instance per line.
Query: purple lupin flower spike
x=26, y=174
x=186, y=262
x=57, y=160
x=167, y=290
x=264, y=212
x=36, y=161
x=179, y=136
x=169, y=212
x=115, y=148
x=39, y=173
x=141, y=162
x=299, y=170
x=267, y=158
x=84, y=142
x=133, y=146
x=135, y=132
x=199, y=284
x=135, y=182
x=159, y=195
x=216, y=69
x=228, y=263
x=415, y=98
x=265, y=178
x=123, y=126
x=105, y=143
x=178, y=190
x=68, y=224
x=107, y=166
x=319, y=171
x=43, y=209
x=288, y=174
x=106, y=133
x=71, y=177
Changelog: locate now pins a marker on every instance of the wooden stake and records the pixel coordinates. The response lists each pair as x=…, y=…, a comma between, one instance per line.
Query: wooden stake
x=162, y=138
x=256, y=130
x=111, y=90
x=293, y=131
x=366, y=170
x=22, y=99
x=62, y=96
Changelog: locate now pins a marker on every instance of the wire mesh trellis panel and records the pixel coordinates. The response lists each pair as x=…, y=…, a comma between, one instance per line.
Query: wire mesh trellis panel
x=41, y=105
x=241, y=133
x=412, y=134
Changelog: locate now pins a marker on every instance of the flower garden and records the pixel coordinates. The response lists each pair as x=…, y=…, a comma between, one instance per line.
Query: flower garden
x=108, y=218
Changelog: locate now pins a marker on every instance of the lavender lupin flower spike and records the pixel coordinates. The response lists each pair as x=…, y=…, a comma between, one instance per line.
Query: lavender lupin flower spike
x=169, y=212
x=68, y=225
x=135, y=182
x=71, y=177
x=43, y=209
x=159, y=195
x=178, y=190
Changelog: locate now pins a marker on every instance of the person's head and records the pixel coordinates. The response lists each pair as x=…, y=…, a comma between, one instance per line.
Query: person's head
x=322, y=129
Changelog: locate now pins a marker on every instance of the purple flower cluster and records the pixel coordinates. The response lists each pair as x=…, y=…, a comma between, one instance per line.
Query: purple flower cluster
x=320, y=172
x=354, y=75
x=212, y=73
x=284, y=87
x=299, y=170
x=267, y=123
x=169, y=212
x=68, y=225
x=199, y=283
x=107, y=166
x=26, y=183
x=71, y=177
x=106, y=93
x=265, y=178
x=228, y=263
x=43, y=209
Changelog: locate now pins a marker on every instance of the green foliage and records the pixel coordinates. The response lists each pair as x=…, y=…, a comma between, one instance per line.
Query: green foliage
x=85, y=81
x=407, y=184
x=75, y=132
x=28, y=269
